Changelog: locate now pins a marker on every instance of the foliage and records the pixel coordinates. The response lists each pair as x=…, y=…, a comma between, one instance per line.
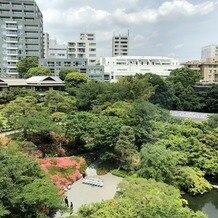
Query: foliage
x=66, y=70
x=181, y=82
x=100, y=94
x=185, y=76
x=213, y=121
x=38, y=71
x=162, y=94
x=192, y=180
x=141, y=198
x=120, y=173
x=37, y=123
x=57, y=101
x=125, y=148
x=20, y=177
x=158, y=163
x=7, y=96
x=24, y=64
x=211, y=139
x=136, y=87
x=19, y=108
x=88, y=132
x=211, y=99
x=63, y=171
x=74, y=80
x=120, y=109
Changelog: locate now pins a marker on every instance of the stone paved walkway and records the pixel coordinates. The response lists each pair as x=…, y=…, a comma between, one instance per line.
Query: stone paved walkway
x=81, y=194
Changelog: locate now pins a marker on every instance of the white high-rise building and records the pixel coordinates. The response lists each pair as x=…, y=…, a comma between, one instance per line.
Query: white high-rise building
x=85, y=47
x=21, y=33
x=115, y=67
x=210, y=51
x=120, y=45
x=57, y=50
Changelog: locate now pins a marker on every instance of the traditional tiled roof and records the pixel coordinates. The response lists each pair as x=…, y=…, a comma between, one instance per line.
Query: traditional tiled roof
x=35, y=80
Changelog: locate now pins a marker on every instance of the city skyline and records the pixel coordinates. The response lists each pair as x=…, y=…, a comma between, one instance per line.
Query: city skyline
x=177, y=29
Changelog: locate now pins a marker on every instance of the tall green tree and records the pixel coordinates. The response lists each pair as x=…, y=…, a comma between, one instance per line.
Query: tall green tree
x=162, y=94
x=125, y=148
x=211, y=99
x=181, y=82
x=24, y=64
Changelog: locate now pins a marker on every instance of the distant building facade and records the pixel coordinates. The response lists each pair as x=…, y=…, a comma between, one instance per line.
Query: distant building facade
x=85, y=47
x=81, y=64
x=56, y=50
x=115, y=67
x=208, y=69
x=120, y=45
x=21, y=33
x=45, y=44
x=209, y=51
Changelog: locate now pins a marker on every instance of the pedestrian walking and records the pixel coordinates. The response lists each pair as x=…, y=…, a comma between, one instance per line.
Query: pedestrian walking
x=71, y=207
x=66, y=201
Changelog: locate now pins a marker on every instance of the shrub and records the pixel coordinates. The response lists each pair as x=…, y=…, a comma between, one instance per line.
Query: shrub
x=120, y=173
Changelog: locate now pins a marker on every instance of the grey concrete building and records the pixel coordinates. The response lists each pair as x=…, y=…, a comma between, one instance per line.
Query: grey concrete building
x=81, y=64
x=120, y=45
x=21, y=33
x=57, y=50
x=209, y=51
x=85, y=47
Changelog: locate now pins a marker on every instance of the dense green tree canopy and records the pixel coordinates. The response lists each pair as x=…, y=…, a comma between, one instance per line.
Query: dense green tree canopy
x=24, y=190
x=20, y=107
x=57, y=101
x=88, y=131
x=24, y=64
x=141, y=198
x=66, y=70
x=38, y=71
x=74, y=80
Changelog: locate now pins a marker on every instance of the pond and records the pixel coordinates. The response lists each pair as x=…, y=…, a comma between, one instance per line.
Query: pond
x=207, y=203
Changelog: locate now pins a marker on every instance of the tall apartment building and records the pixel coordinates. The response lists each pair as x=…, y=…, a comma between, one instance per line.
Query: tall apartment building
x=120, y=45
x=209, y=51
x=85, y=47
x=45, y=44
x=21, y=33
x=56, y=50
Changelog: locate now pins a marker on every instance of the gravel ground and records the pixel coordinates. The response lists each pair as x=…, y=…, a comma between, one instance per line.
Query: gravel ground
x=81, y=194
x=191, y=115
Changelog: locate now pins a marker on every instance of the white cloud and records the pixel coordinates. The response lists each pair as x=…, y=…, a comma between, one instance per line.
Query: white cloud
x=153, y=25
x=88, y=15
x=178, y=46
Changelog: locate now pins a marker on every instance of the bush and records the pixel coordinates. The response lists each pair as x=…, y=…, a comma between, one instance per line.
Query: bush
x=102, y=170
x=120, y=173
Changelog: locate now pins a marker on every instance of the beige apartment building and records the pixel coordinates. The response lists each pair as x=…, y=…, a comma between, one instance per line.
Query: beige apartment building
x=208, y=69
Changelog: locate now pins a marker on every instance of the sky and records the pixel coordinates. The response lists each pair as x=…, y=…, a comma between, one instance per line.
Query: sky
x=177, y=28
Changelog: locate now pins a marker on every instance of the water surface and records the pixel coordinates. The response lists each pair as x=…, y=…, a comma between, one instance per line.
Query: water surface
x=207, y=203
